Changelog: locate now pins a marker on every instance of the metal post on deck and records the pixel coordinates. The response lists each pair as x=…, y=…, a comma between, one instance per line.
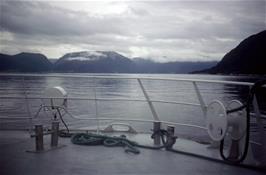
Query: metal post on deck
x=171, y=138
x=155, y=116
x=171, y=130
x=54, y=134
x=156, y=129
x=157, y=123
x=201, y=101
x=39, y=137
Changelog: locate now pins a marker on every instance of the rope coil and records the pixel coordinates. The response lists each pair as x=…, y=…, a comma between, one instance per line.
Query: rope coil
x=96, y=139
x=90, y=139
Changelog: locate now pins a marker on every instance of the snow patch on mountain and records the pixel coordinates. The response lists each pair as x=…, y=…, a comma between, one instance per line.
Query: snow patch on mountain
x=87, y=56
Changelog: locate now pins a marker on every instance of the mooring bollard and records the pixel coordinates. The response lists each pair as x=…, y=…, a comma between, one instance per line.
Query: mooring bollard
x=39, y=137
x=156, y=130
x=39, y=140
x=171, y=138
x=54, y=134
x=171, y=130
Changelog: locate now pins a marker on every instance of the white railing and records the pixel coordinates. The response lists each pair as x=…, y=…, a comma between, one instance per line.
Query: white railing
x=147, y=99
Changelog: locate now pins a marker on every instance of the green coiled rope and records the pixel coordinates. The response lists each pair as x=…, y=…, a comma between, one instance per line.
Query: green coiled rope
x=91, y=139
x=96, y=139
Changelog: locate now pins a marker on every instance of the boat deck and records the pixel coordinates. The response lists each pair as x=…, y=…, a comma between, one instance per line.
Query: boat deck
x=76, y=159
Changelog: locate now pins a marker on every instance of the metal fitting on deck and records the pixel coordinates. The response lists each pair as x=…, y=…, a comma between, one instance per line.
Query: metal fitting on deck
x=171, y=138
x=54, y=134
x=39, y=144
x=39, y=138
x=156, y=134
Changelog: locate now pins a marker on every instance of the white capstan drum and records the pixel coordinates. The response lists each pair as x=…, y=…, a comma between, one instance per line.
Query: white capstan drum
x=57, y=97
x=237, y=120
x=216, y=120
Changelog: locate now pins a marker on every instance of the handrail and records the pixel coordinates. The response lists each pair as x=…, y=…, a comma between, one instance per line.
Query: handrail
x=126, y=77
x=99, y=99
x=147, y=99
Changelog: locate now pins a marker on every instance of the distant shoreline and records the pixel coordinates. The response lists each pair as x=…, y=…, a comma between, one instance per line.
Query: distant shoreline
x=218, y=74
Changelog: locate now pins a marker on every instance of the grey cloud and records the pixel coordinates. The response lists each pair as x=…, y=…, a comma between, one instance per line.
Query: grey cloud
x=42, y=19
x=206, y=29
x=241, y=19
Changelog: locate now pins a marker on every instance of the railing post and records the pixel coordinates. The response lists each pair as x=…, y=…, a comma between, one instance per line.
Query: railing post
x=201, y=101
x=156, y=129
x=157, y=123
x=154, y=114
x=203, y=106
x=54, y=134
x=39, y=138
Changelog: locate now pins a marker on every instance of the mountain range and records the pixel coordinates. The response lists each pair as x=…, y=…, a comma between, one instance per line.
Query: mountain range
x=24, y=62
x=149, y=66
x=94, y=62
x=246, y=58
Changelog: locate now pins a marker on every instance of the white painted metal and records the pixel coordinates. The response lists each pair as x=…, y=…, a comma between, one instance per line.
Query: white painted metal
x=219, y=123
x=185, y=125
x=129, y=78
x=124, y=127
x=154, y=114
x=55, y=92
x=216, y=120
x=201, y=101
x=194, y=81
x=237, y=120
x=101, y=99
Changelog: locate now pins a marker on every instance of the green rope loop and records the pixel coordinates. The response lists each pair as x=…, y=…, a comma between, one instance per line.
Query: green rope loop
x=95, y=139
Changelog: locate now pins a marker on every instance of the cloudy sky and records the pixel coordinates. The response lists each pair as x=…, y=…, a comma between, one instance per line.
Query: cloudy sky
x=162, y=30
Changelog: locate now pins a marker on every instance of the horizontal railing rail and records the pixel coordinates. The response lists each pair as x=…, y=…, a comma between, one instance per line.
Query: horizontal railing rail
x=98, y=99
x=121, y=77
x=129, y=78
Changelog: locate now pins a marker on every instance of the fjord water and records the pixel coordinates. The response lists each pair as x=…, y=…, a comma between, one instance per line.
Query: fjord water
x=119, y=88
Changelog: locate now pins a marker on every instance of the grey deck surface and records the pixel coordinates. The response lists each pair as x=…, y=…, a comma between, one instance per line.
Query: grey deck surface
x=76, y=160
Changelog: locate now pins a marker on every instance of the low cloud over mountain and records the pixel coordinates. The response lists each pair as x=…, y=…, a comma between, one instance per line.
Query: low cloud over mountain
x=94, y=62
